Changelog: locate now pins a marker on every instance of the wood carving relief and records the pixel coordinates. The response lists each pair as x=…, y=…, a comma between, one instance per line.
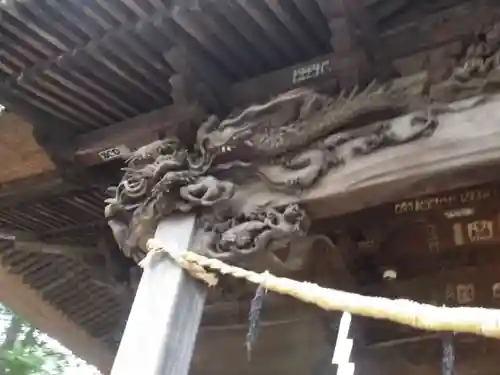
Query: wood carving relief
x=477, y=72
x=290, y=143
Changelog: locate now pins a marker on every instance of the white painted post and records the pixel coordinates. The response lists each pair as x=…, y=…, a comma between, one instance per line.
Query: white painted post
x=161, y=331
x=343, y=347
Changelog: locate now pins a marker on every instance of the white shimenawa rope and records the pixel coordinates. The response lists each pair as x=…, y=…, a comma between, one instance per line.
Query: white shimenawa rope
x=480, y=321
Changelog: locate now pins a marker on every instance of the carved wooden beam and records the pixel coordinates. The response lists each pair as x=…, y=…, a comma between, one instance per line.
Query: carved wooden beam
x=462, y=152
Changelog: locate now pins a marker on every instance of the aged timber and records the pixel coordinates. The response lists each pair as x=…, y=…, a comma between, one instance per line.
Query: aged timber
x=295, y=143
x=462, y=152
x=167, y=309
x=326, y=71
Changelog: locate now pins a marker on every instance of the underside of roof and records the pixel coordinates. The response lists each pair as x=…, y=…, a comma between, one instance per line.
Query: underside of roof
x=99, y=62
x=96, y=62
x=80, y=287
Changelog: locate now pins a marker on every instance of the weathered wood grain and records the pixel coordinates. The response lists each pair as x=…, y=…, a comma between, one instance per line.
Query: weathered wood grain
x=20, y=154
x=412, y=40
x=462, y=152
x=161, y=330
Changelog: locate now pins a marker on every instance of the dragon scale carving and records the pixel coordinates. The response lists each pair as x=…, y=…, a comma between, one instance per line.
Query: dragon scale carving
x=289, y=143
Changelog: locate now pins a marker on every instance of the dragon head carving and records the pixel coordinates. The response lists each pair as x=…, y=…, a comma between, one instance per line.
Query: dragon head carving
x=236, y=132
x=219, y=138
x=226, y=137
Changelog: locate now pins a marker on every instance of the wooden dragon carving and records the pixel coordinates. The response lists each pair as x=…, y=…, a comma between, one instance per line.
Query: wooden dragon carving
x=289, y=142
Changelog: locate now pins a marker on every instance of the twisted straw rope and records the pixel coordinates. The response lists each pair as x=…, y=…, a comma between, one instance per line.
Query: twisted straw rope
x=480, y=321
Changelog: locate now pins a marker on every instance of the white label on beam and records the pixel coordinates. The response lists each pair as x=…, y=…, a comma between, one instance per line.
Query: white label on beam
x=114, y=152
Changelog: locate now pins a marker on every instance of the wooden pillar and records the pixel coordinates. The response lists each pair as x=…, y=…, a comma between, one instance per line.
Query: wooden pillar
x=161, y=330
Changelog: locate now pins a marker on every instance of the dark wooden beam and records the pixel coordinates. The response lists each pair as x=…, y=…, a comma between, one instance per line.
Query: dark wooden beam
x=321, y=69
x=96, y=259
x=196, y=85
x=208, y=70
x=437, y=29
x=32, y=187
x=55, y=135
x=118, y=139
x=345, y=42
x=335, y=67
x=413, y=37
x=311, y=11
x=54, y=233
x=367, y=35
x=31, y=243
x=41, y=247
